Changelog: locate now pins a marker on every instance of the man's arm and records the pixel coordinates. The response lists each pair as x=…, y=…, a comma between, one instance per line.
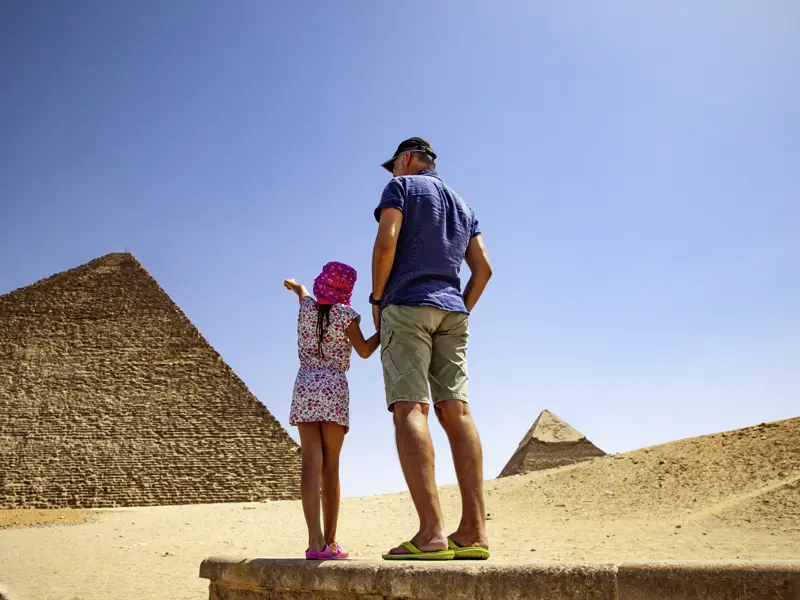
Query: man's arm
x=383, y=253
x=480, y=271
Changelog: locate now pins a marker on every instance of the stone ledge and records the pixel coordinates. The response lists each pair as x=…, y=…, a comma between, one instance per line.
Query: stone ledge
x=297, y=579
x=705, y=580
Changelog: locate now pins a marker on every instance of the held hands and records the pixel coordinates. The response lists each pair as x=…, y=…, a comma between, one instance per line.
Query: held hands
x=376, y=317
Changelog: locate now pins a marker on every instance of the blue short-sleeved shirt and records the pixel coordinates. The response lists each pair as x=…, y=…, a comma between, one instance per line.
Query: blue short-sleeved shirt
x=437, y=227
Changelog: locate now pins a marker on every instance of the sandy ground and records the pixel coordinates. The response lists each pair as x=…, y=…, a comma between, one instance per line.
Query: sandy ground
x=734, y=495
x=16, y=519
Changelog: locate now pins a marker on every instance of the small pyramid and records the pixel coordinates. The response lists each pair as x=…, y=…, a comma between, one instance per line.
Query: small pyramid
x=110, y=396
x=550, y=443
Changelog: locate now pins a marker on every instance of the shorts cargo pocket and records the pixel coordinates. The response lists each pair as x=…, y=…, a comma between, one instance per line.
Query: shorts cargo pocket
x=389, y=362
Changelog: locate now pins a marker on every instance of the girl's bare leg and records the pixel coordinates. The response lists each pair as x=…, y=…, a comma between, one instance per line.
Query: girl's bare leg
x=312, y=450
x=332, y=439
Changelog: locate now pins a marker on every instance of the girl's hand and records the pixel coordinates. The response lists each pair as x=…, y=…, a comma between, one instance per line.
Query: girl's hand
x=297, y=288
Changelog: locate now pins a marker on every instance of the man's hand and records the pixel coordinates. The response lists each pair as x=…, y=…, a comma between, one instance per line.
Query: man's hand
x=480, y=269
x=376, y=317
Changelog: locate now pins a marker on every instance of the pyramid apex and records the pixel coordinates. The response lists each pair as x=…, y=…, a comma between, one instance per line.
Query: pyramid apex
x=106, y=262
x=549, y=428
x=550, y=442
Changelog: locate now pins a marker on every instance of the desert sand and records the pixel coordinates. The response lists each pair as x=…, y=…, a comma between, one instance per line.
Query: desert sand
x=733, y=495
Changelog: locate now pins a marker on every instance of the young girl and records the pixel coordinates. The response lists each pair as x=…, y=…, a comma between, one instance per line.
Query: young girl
x=327, y=331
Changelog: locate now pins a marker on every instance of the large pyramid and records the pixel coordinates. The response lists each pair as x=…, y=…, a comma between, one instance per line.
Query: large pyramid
x=550, y=443
x=109, y=396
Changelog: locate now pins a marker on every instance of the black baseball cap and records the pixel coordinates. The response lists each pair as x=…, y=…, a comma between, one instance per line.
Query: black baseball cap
x=414, y=144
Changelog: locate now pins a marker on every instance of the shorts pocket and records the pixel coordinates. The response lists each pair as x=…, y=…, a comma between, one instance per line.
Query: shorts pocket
x=388, y=362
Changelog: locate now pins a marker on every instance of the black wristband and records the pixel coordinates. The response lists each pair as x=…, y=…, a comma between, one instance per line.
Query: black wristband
x=375, y=302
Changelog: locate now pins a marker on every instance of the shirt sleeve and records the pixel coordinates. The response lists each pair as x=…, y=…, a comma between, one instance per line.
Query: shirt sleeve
x=476, y=228
x=345, y=315
x=394, y=196
x=306, y=305
x=351, y=315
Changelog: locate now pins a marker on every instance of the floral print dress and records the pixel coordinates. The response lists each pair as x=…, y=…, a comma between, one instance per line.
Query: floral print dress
x=320, y=390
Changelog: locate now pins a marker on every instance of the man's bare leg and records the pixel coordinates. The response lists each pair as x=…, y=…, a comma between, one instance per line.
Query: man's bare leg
x=456, y=419
x=415, y=448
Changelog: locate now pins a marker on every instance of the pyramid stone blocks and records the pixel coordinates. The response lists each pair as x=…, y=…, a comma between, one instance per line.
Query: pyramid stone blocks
x=109, y=396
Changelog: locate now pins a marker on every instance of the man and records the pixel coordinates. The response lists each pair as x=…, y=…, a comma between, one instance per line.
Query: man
x=425, y=232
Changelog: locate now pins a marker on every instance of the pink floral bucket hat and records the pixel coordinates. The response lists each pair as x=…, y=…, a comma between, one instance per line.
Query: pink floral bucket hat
x=335, y=284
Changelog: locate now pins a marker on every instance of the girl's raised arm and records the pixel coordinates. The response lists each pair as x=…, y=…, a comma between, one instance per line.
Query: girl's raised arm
x=293, y=286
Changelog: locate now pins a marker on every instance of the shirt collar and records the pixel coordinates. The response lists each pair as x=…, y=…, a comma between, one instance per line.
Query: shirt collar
x=429, y=173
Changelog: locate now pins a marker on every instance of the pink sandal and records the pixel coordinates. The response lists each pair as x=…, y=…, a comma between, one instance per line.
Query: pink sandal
x=328, y=553
x=340, y=553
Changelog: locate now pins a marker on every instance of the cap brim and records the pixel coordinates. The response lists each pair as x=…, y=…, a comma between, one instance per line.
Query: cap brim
x=389, y=165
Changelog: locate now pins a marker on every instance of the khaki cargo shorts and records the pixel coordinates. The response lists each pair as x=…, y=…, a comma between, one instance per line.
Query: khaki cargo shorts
x=422, y=346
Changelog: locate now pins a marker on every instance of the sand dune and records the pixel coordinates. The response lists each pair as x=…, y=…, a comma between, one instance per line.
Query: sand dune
x=724, y=496
x=679, y=478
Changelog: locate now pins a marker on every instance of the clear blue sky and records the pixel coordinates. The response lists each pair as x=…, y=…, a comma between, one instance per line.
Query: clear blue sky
x=635, y=167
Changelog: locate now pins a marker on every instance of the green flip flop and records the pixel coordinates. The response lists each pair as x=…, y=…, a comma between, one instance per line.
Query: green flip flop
x=467, y=552
x=415, y=553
